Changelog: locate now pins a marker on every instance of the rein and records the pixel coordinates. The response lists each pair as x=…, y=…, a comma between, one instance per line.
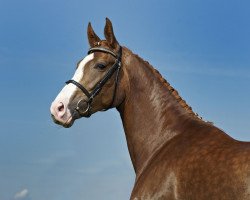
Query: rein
x=91, y=95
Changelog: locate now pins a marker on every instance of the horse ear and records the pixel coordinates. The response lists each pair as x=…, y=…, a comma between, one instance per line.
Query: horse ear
x=109, y=34
x=92, y=37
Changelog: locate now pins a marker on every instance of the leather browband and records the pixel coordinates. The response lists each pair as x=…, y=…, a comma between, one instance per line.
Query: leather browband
x=101, y=49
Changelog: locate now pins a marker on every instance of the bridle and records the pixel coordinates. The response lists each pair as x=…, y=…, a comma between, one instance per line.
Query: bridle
x=91, y=95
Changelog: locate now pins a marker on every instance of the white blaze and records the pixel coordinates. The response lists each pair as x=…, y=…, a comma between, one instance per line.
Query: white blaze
x=80, y=70
x=69, y=89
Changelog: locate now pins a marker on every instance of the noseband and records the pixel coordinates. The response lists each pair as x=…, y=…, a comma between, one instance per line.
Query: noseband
x=91, y=95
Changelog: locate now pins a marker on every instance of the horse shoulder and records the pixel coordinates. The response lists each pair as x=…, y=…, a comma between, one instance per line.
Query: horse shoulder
x=201, y=165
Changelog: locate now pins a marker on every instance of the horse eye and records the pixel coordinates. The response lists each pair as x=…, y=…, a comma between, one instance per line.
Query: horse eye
x=100, y=66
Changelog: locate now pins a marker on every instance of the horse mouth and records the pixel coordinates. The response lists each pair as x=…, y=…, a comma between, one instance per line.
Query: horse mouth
x=66, y=124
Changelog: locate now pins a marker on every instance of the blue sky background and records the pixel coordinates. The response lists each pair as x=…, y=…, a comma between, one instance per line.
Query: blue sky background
x=201, y=47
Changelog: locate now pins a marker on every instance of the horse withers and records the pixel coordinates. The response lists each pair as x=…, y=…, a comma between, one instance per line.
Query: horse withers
x=175, y=154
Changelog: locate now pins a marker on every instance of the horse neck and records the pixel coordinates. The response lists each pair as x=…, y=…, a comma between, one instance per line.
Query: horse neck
x=150, y=113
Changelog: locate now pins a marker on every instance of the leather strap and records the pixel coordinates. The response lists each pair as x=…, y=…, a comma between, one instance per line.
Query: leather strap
x=101, y=49
x=80, y=87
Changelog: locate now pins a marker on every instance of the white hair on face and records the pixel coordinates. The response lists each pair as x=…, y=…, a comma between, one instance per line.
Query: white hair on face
x=68, y=90
x=80, y=69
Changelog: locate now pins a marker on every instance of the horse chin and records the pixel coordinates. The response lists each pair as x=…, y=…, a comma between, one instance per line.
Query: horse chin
x=68, y=125
x=69, y=122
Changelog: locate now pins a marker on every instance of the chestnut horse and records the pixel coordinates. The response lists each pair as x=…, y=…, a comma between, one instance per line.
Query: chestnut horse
x=175, y=154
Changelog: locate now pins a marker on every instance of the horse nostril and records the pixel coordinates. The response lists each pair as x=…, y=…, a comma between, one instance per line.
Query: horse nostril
x=60, y=107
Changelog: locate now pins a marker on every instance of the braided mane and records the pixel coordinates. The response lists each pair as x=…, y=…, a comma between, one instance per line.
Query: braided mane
x=173, y=91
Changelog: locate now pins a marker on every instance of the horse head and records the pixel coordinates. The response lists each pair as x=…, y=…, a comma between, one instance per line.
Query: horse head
x=96, y=84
